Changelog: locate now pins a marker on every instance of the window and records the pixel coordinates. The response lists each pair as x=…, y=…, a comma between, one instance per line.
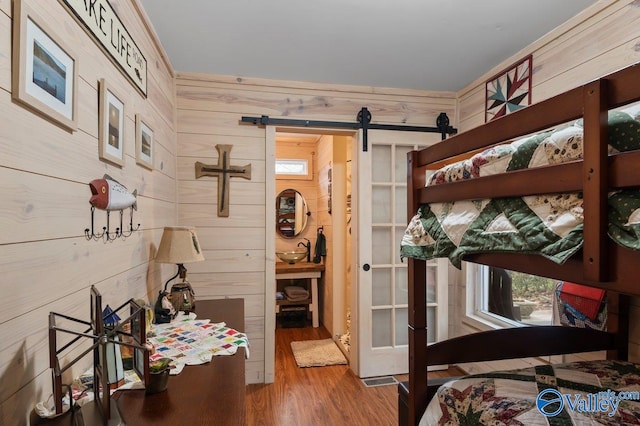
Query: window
x=292, y=167
x=507, y=298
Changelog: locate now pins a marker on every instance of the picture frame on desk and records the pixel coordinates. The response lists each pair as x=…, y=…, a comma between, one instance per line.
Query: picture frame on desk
x=139, y=334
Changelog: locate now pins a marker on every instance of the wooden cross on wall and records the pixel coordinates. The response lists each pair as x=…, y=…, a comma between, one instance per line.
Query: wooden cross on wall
x=224, y=172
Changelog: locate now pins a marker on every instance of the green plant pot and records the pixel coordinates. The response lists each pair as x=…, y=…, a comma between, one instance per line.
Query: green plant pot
x=157, y=382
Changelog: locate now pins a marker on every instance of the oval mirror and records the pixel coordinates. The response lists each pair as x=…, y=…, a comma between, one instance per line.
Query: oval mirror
x=291, y=213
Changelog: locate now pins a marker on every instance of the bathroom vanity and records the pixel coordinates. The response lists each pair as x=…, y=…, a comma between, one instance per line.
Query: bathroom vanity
x=311, y=272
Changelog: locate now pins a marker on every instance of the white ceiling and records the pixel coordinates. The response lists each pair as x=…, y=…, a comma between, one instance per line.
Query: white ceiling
x=418, y=44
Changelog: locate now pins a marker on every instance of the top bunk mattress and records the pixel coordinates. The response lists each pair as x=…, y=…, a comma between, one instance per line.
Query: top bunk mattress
x=548, y=224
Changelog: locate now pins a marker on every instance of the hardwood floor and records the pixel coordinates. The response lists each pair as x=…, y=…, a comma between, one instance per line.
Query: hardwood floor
x=322, y=396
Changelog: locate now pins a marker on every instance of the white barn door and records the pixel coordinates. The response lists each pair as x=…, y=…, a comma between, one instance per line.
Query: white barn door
x=381, y=276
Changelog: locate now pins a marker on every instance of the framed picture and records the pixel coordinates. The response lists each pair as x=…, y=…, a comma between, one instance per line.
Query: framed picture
x=509, y=91
x=144, y=143
x=111, y=125
x=44, y=69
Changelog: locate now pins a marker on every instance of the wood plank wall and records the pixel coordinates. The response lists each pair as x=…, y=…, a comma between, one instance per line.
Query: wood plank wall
x=47, y=263
x=602, y=39
x=209, y=110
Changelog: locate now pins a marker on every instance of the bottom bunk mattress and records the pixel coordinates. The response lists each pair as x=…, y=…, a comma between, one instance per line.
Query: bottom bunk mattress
x=578, y=393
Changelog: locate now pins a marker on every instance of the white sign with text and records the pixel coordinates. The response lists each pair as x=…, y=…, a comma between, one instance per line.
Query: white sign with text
x=105, y=26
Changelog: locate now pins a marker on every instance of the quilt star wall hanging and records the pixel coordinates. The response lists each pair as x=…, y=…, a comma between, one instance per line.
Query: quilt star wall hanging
x=509, y=91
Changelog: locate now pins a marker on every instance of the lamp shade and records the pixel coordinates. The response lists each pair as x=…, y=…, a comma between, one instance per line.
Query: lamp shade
x=179, y=244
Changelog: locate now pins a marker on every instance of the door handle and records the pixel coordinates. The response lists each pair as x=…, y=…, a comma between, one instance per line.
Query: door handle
x=366, y=267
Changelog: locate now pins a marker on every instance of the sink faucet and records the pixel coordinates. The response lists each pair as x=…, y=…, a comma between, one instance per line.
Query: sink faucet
x=306, y=245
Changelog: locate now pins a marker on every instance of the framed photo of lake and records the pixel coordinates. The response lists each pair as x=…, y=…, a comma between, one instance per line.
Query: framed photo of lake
x=44, y=69
x=144, y=143
x=111, y=125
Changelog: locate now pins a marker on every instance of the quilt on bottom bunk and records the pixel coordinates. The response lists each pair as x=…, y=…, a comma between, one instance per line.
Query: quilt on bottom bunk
x=550, y=225
x=579, y=393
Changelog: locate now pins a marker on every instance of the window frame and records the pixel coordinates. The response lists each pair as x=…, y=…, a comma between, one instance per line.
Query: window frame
x=301, y=161
x=476, y=280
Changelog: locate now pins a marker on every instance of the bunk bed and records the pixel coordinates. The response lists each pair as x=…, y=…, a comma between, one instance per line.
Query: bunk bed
x=585, y=254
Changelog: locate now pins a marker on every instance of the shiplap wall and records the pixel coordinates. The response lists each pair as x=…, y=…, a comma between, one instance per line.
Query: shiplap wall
x=46, y=262
x=209, y=110
x=600, y=40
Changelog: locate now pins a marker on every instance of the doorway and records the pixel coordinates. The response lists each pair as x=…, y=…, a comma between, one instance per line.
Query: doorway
x=326, y=190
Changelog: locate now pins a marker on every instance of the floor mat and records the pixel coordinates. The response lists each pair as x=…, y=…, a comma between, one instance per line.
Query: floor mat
x=317, y=353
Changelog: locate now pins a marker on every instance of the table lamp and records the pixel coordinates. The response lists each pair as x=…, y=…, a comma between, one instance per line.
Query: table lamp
x=179, y=245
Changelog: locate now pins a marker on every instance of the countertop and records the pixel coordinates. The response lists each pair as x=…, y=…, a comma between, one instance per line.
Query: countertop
x=283, y=268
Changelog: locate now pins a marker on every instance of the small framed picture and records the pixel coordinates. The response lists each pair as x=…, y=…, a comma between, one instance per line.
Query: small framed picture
x=111, y=125
x=144, y=143
x=44, y=69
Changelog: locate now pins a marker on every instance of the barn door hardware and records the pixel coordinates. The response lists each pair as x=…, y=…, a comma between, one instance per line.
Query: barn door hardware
x=363, y=121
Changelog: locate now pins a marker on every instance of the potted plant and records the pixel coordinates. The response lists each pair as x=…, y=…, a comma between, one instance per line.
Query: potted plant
x=158, y=375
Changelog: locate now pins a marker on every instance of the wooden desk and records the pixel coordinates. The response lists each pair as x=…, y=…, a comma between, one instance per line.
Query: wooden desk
x=211, y=393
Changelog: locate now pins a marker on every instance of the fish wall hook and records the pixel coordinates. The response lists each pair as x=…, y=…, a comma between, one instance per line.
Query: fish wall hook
x=110, y=195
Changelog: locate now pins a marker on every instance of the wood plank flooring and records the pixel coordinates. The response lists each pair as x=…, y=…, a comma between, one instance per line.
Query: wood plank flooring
x=322, y=396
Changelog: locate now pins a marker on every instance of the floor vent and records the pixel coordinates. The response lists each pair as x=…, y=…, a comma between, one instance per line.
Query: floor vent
x=379, y=381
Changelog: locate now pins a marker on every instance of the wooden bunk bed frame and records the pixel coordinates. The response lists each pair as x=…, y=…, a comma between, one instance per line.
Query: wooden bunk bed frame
x=601, y=263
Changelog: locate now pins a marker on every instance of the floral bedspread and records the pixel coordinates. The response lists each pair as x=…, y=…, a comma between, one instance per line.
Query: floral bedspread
x=550, y=225
x=579, y=393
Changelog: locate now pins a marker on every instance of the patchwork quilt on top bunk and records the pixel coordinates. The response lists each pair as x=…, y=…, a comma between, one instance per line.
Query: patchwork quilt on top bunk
x=579, y=393
x=550, y=225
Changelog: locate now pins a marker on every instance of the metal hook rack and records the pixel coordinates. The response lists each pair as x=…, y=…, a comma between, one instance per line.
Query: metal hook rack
x=106, y=233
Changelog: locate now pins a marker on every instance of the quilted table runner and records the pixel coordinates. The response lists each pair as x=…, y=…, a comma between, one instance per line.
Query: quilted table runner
x=195, y=341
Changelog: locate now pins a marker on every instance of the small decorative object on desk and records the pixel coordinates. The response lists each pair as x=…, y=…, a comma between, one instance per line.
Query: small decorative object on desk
x=158, y=375
x=183, y=298
x=164, y=310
